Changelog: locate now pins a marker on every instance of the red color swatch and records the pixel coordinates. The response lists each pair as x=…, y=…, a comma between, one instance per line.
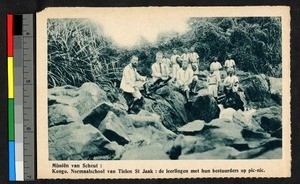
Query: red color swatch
x=10, y=40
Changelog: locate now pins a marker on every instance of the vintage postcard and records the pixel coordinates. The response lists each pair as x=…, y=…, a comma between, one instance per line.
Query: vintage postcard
x=163, y=92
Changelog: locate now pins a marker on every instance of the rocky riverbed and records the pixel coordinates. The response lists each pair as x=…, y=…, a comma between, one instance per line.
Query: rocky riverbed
x=83, y=124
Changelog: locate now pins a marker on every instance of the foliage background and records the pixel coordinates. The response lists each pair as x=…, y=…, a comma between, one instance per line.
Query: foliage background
x=78, y=50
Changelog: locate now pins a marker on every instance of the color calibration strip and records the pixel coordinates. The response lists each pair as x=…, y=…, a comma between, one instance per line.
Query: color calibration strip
x=21, y=119
x=10, y=77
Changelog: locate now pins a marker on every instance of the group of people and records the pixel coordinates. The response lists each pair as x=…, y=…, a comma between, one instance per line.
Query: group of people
x=180, y=71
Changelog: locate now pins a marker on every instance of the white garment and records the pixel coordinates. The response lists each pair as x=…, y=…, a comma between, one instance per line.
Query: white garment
x=185, y=57
x=159, y=70
x=174, y=58
x=216, y=66
x=168, y=63
x=212, y=84
x=175, y=69
x=213, y=89
x=229, y=63
x=233, y=82
x=130, y=79
x=185, y=77
x=194, y=57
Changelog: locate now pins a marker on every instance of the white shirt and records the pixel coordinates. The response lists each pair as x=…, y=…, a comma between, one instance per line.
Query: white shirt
x=130, y=78
x=159, y=70
x=167, y=62
x=185, y=77
x=194, y=57
x=229, y=63
x=175, y=69
x=185, y=56
x=212, y=79
x=215, y=66
x=233, y=81
x=174, y=58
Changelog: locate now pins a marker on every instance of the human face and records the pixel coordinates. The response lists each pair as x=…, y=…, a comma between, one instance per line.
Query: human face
x=159, y=58
x=134, y=61
x=184, y=65
x=174, y=51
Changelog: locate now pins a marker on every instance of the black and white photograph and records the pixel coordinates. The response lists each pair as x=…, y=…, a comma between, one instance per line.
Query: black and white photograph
x=164, y=87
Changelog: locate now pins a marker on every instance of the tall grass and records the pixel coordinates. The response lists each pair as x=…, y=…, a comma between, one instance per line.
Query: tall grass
x=78, y=52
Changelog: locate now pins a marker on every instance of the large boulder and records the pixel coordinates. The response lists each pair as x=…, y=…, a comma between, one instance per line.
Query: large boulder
x=227, y=113
x=144, y=136
x=170, y=118
x=271, y=154
x=175, y=99
x=150, y=152
x=113, y=129
x=148, y=129
x=84, y=98
x=257, y=91
x=260, y=150
x=98, y=113
x=186, y=144
x=203, y=107
x=276, y=89
x=244, y=119
x=94, y=90
x=270, y=119
x=59, y=114
x=192, y=128
x=218, y=133
x=76, y=141
x=223, y=132
x=224, y=152
x=144, y=119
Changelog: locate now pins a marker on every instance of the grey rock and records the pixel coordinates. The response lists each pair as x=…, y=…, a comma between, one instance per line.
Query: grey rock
x=59, y=114
x=170, y=118
x=192, y=128
x=270, y=119
x=257, y=91
x=84, y=98
x=113, y=129
x=176, y=100
x=255, y=152
x=228, y=113
x=276, y=89
x=98, y=113
x=223, y=152
x=203, y=107
x=79, y=142
x=150, y=152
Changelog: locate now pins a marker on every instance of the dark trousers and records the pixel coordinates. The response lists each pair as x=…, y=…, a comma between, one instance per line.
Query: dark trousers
x=133, y=105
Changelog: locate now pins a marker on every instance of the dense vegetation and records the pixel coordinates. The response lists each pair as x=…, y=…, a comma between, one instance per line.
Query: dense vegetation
x=78, y=51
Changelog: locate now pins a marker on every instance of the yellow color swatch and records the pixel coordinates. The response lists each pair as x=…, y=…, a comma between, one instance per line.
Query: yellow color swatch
x=10, y=66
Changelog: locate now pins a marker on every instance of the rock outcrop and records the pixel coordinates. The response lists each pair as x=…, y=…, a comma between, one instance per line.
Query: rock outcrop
x=76, y=141
x=83, y=124
x=257, y=91
x=270, y=119
x=113, y=129
x=83, y=99
x=59, y=114
x=203, y=107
